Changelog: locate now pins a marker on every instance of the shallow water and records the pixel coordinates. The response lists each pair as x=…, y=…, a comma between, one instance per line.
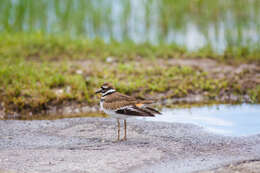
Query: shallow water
x=230, y=120
x=193, y=24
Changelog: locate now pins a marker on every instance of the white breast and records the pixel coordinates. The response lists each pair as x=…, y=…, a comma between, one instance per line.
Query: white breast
x=101, y=106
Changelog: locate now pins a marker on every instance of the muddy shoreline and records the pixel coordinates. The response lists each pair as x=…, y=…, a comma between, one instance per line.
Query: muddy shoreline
x=88, y=145
x=75, y=109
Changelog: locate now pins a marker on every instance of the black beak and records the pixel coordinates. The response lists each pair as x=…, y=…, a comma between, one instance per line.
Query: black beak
x=98, y=91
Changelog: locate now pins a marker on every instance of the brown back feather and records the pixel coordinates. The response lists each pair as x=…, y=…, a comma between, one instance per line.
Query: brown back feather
x=117, y=100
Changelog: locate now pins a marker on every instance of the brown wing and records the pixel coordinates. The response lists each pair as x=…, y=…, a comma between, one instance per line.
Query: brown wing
x=117, y=100
x=119, y=97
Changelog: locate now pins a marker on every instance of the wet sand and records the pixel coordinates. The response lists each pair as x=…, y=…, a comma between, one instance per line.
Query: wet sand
x=88, y=145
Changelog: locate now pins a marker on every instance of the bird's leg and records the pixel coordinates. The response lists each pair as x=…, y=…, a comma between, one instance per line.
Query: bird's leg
x=118, y=129
x=125, y=130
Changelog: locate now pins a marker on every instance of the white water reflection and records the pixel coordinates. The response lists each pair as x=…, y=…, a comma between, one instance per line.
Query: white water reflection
x=194, y=24
x=231, y=120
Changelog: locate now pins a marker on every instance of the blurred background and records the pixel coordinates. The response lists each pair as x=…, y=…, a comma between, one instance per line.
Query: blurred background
x=193, y=24
x=55, y=53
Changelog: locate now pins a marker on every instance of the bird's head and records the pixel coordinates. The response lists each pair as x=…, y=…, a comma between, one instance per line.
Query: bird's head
x=105, y=89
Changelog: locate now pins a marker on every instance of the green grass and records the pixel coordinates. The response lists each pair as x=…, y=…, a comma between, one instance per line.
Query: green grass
x=34, y=85
x=39, y=46
x=38, y=70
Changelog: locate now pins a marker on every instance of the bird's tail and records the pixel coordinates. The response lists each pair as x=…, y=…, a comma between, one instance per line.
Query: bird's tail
x=143, y=106
x=152, y=110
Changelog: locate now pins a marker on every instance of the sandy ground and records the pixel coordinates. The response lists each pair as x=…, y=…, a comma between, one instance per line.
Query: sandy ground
x=88, y=145
x=251, y=166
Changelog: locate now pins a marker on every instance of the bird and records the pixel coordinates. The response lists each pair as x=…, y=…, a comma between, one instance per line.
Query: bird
x=121, y=106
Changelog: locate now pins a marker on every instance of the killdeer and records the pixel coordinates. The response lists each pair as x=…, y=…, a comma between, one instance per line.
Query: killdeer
x=121, y=106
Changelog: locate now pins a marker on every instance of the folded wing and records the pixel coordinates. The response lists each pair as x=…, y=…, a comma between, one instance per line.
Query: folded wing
x=135, y=111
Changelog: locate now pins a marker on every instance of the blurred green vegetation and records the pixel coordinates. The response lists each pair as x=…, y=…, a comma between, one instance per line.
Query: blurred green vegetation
x=38, y=70
x=221, y=24
x=53, y=47
x=34, y=86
